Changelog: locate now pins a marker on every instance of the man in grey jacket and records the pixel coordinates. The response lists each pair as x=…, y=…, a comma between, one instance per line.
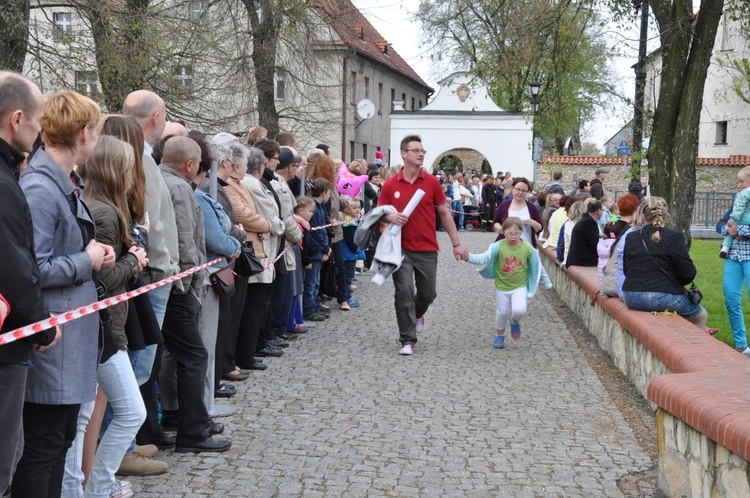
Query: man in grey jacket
x=149, y=110
x=182, y=336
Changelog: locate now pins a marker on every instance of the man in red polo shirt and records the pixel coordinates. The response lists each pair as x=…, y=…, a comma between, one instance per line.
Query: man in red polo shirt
x=419, y=245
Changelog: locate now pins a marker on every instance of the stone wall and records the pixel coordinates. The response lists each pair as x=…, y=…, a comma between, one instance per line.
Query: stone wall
x=709, y=178
x=690, y=464
x=633, y=359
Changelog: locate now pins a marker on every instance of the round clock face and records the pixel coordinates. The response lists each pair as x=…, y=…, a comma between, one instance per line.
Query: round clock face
x=365, y=109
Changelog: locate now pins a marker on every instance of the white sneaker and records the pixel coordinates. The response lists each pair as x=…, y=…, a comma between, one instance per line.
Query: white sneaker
x=408, y=349
x=420, y=324
x=120, y=489
x=746, y=351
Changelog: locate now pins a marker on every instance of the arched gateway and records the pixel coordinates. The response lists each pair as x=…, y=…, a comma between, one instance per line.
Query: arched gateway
x=463, y=116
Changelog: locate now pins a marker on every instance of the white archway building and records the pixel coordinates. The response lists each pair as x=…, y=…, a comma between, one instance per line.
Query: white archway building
x=462, y=115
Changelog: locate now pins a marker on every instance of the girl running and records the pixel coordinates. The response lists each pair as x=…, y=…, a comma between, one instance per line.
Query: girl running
x=517, y=271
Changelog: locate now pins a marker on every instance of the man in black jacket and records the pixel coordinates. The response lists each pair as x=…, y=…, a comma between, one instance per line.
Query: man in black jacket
x=585, y=237
x=21, y=108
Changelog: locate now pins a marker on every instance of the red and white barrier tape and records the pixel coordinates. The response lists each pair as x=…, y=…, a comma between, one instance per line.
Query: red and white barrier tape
x=35, y=328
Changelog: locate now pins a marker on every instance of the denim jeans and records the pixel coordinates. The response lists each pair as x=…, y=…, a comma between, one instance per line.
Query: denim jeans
x=660, y=301
x=457, y=206
x=312, y=286
x=159, y=298
x=295, y=313
x=736, y=277
x=72, y=483
x=117, y=380
x=350, y=266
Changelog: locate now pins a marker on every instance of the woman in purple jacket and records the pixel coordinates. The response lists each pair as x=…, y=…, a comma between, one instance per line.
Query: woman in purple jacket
x=519, y=207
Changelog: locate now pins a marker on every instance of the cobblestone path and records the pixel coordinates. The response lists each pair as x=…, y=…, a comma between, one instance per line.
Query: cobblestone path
x=341, y=414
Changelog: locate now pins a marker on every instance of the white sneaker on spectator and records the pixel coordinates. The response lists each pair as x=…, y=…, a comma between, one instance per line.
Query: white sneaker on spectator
x=420, y=324
x=745, y=351
x=408, y=349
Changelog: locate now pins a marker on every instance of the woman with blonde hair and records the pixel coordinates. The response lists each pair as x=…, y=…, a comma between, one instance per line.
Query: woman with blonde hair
x=657, y=266
x=64, y=377
x=109, y=180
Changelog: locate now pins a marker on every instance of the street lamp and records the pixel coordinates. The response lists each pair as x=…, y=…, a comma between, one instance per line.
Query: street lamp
x=535, y=87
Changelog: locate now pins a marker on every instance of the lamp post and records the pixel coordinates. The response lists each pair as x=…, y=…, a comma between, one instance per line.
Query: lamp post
x=535, y=86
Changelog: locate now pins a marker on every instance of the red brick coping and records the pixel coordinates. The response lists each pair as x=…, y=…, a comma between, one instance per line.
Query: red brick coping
x=708, y=389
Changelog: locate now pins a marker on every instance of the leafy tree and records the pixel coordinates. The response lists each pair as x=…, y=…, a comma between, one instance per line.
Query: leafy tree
x=14, y=22
x=511, y=43
x=687, y=43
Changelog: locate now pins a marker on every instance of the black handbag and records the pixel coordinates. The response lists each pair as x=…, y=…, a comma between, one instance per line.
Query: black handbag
x=247, y=263
x=222, y=281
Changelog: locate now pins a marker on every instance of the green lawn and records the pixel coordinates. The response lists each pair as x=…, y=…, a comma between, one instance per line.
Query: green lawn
x=705, y=254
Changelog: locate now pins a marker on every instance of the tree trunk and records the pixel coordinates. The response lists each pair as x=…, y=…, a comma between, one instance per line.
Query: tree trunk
x=686, y=54
x=265, y=38
x=14, y=34
x=121, y=60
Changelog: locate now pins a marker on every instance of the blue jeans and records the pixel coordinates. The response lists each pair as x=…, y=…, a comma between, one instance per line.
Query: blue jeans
x=350, y=266
x=736, y=276
x=457, y=206
x=295, y=313
x=660, y=301
x=118, y=382
x=312, y=286
x=72, y=483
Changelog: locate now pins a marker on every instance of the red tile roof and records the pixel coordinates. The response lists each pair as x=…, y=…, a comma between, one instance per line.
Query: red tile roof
x=349, y=24
x=733, y=160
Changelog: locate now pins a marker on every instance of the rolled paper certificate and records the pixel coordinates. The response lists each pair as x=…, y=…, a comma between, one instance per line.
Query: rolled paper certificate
x=413, y=203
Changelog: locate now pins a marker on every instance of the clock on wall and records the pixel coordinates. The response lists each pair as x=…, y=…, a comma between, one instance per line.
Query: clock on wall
x=365, y=109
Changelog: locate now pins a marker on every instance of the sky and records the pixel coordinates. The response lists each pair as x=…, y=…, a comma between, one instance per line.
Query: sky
x=393, y=19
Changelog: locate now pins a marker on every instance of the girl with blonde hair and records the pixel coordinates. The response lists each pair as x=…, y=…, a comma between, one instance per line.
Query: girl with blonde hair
x=657, y=267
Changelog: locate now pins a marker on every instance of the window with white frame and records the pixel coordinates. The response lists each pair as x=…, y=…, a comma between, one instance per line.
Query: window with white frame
x=63, y=22
x=183, y=78
x=367, y=87
x=199, y=12
x=279, y=84
x=353, y=88
x=86, y=83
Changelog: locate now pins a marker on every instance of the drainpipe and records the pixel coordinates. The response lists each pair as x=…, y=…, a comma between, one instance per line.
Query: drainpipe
x=343, y=110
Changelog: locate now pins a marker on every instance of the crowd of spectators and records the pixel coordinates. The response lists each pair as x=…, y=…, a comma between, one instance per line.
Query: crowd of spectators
x=107, y=205
x=100, y=206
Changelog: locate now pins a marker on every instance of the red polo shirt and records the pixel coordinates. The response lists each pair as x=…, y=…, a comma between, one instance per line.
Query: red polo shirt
x=418, y=234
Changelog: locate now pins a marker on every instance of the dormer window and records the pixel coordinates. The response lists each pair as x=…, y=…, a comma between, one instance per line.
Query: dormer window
x=360, y=31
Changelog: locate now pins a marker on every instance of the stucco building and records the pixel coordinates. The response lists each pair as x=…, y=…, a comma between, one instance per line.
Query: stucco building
x=324, y=70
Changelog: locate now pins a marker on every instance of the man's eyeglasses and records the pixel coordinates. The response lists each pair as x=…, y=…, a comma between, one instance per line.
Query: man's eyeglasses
x=417, y=151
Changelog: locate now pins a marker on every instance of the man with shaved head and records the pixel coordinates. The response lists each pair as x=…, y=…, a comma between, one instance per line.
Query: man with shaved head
x=21, y=108
x=174, y=129
x=149, y=110
x=182, y=338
